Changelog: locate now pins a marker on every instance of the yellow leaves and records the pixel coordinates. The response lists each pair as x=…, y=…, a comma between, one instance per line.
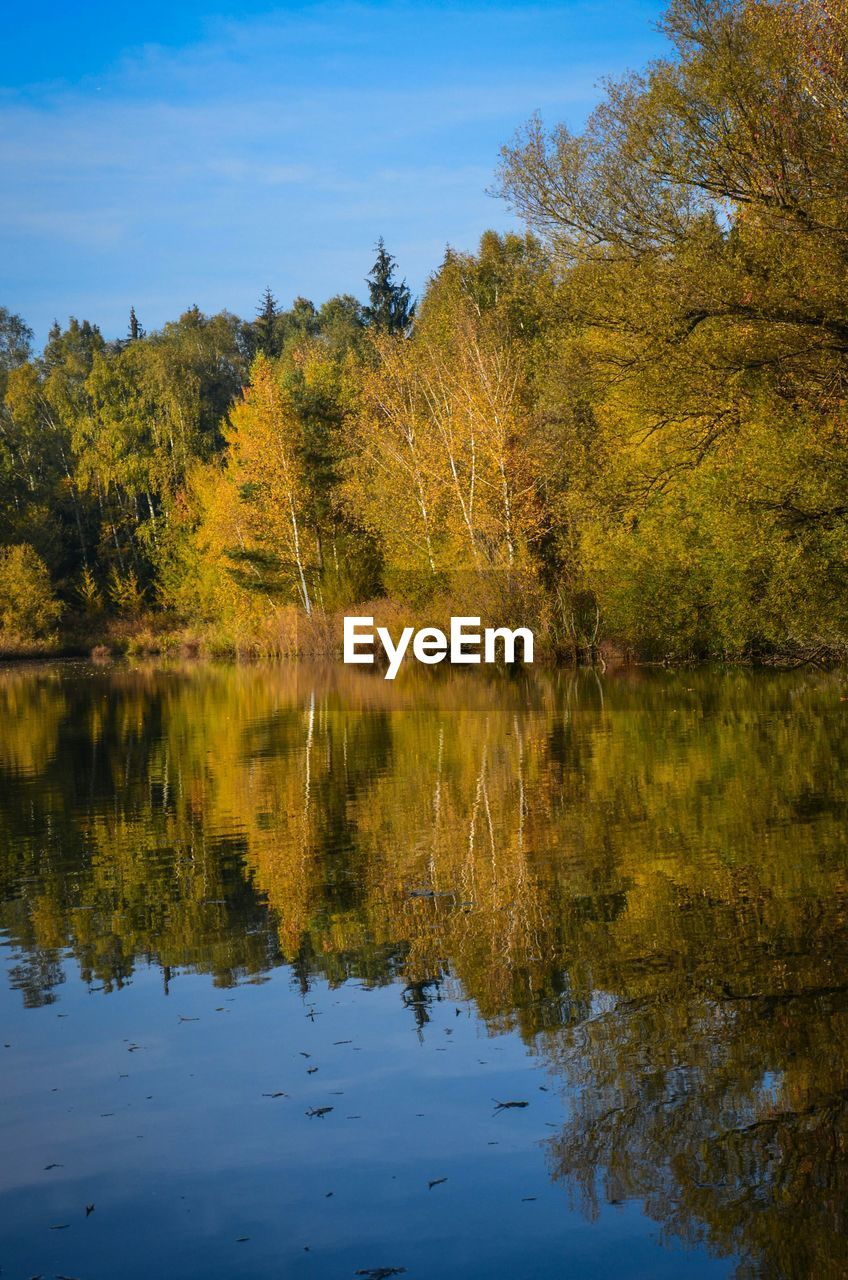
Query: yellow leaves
x=22, y=391
x=28, y=608
x=254, y=507
x=442, y=433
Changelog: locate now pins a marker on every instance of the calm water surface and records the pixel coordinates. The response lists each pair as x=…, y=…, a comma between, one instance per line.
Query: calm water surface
x=277, y=941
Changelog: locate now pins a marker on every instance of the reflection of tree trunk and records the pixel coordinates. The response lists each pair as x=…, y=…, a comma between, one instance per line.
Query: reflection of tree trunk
x=437, y=807
x=309, y=736
x=307, y=789
x=521, y=801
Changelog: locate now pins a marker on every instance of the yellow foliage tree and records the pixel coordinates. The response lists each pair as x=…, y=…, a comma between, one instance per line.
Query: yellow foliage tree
x=255, y=512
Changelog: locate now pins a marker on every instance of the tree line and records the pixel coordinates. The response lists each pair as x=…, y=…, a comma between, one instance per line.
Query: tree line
x=625, y=425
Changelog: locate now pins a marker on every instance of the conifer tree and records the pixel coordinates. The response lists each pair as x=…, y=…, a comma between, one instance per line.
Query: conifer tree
x=390, y=309
x=136, y=330
x=265, y=324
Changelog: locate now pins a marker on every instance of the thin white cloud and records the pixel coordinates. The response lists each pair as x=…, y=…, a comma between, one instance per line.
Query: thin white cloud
x=277, y=149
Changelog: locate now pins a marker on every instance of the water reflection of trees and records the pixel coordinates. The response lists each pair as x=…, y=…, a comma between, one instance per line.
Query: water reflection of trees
x=647, y=879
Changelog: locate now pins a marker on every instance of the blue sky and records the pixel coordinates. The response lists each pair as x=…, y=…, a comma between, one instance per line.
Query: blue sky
x=167, y=154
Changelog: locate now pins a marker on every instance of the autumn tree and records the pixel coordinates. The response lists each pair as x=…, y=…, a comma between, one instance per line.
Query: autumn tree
x=699, y=226
x=262, y=525
x=445, y=427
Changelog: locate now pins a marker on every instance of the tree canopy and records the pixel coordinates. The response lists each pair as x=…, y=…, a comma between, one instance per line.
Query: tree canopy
x=625, y=425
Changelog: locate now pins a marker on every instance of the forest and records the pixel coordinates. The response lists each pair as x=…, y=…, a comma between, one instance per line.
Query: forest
x=625, y=427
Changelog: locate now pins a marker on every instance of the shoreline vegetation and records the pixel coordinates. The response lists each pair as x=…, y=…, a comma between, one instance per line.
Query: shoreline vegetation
x=625, y=428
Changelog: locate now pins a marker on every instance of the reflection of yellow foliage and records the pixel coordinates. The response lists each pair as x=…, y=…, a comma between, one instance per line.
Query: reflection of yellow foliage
x=30, y=714
x=646, y=877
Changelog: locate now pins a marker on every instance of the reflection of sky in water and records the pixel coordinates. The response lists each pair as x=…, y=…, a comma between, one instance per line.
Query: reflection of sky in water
x=179, y=1150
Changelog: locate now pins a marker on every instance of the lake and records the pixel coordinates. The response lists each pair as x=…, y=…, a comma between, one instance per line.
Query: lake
x=309, y=974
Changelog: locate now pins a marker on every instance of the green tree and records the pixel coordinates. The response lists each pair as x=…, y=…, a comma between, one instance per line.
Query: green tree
x=135, y=330
x=15, y=341
x=264, y=335
x=390, y=307
x=698, y=225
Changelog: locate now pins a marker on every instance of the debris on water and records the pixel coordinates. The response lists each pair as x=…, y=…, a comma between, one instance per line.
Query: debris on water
x=182, y=1018
x=242, y=1240
x=382, y=1273
x=310, y=1071
x=318, y=1111
x=544, y=1088
x=60, y=1226
x=507, y=1106
x=54, y=1165
x=527, y=1199
x=328, y=1194
x=435, y=1182
x=305, y=1055
x=342, y=1042
x=279, y=1094
x=89, y=1210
